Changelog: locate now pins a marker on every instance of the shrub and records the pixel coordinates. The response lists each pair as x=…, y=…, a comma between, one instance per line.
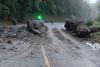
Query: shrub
x=89, y=23
x=96, y=36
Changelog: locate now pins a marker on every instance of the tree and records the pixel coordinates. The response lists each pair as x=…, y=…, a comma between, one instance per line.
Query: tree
x=21, y=9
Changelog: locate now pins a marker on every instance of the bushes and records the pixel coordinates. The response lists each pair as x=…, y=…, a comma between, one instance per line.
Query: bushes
x=25, y=8
x=89, y=23
x=15, y=8
x=96, y=36
x=4, y=10
x=95, y=31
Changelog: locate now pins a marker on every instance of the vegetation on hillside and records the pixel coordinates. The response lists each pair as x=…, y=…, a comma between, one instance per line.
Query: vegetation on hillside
x=21, y=9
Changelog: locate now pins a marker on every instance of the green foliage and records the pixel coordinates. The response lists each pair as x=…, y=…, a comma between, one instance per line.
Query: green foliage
x=98, y=19
x=96, y=24
x=96, y=36
x=89, y=23
x=4, y=10
x=25, y=8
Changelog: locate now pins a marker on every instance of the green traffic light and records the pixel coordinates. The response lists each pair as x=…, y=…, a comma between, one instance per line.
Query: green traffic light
x=40, y=17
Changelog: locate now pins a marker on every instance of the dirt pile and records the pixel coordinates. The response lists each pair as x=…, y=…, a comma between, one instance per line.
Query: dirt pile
x=16, y=31
x=11, y=31
x=17, y=39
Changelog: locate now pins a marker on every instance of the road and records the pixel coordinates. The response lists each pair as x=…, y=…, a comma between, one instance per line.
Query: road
x=58, y=25
x=66, y=51
x=59, y=49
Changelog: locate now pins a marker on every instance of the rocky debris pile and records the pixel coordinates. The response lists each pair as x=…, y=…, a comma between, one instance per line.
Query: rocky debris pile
x=11, y=48
x=37, y=28
x=76, y=25
x=21, y=31
x=17, y=39
x=11, y=31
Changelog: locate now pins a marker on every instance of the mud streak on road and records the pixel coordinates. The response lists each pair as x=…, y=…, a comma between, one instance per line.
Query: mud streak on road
x=58, y=35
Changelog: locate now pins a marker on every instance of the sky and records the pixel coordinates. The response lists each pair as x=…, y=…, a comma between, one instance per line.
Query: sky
x=91, y=1
x=94, y=9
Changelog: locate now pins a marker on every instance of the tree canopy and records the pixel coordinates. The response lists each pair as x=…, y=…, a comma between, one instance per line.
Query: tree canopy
x=25, y=8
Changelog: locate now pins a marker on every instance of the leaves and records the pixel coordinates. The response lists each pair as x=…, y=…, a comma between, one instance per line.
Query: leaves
x=4, y=10
x=24, y=8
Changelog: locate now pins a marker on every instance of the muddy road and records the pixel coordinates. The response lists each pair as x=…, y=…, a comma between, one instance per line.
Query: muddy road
x=58, y=49
x=67, y=51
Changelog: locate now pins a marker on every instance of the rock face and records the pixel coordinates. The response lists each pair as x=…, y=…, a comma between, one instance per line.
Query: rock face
x=75, y=25
x=37, y=28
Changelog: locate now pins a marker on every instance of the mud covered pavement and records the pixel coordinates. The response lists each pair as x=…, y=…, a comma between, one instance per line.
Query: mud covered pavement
x=58, y=49
x=68, y=51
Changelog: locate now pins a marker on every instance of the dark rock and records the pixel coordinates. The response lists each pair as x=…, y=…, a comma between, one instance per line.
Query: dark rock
x=82, y=31
x=95, y=29
x=14, y=21
x=11, y=49
x=3, y=48
x=9, y=42
x=32, y=53
x=36, y=28
x=76, y=25
x=15, y=50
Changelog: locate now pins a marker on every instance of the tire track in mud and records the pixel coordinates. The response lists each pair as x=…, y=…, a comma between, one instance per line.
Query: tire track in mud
x=63, y=39
x=68, y=44
x=56, y=45
x=26, y=51
x=86, y=50
x=58, y=34
x=66, y=52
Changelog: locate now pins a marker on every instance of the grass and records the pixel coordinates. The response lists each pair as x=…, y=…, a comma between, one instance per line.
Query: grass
x=96, y=24
x=96, y=35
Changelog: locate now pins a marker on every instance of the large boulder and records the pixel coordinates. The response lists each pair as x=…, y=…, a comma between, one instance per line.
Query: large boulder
x=37, y=28
x=76, y=25
x=82, y=31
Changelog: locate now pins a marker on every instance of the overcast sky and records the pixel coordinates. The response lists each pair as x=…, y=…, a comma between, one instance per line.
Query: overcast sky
x=91, y=1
